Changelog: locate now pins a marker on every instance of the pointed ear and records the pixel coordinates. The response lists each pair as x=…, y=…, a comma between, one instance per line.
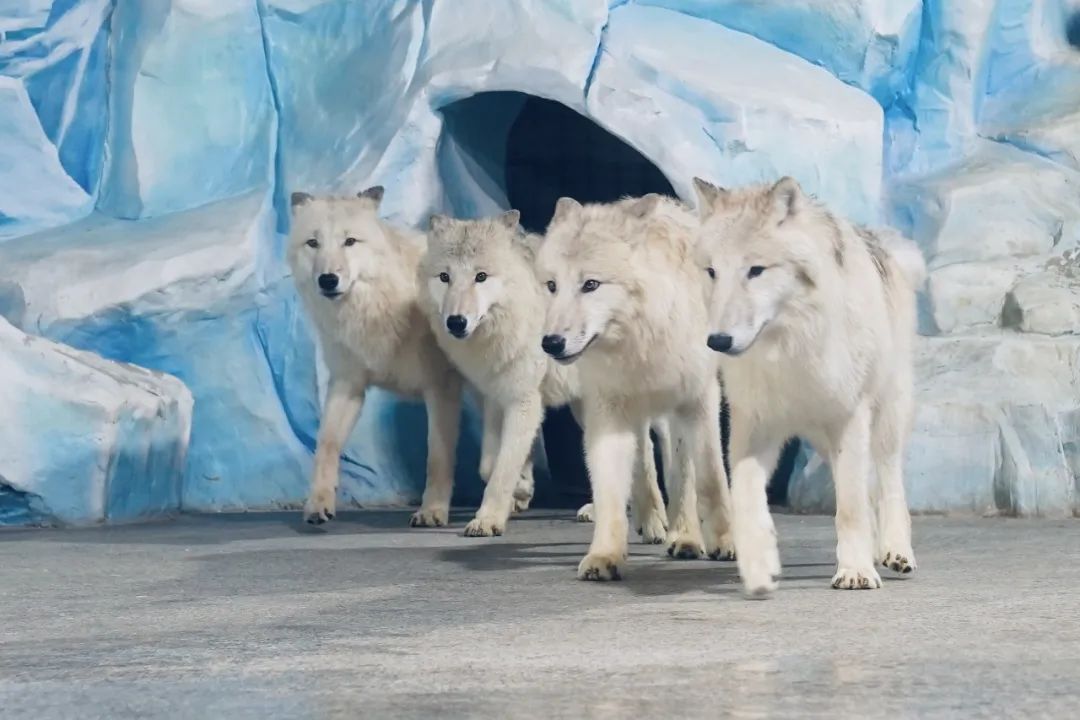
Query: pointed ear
x=300, y=198
x=374, y=193
x=785, y=199
x=510, y=219
x=439, y=222
x=565, y=207
x=643, y=206
x=707, y=194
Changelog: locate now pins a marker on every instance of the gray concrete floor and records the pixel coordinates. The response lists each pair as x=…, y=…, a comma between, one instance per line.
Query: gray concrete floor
x=256, y=616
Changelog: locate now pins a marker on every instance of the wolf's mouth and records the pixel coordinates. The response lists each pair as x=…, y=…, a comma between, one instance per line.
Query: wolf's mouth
x=332, y=295
x=568, y=359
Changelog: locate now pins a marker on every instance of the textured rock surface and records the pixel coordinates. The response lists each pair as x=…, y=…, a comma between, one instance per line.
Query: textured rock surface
x=995, y=432
x=86, y=439
x=955, y=121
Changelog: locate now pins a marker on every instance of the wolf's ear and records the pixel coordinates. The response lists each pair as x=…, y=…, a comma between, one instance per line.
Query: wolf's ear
x=439, y=222
x=510, y=219
x=785, y=199
x=374, y=193
x=300, y=198
x=565, y=207
x=707, y=194
x=643, y=206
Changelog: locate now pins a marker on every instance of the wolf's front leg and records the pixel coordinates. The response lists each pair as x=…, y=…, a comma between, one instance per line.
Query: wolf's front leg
x=520, y=423
x=684, y=538
x=343, y=403
x=887, y=436
x=523, y=489
x=714, y=496
x=646, y=504
x=610, y=445
x=444, y=417
x=849, y=459
x=489, y=440
x=753, y=460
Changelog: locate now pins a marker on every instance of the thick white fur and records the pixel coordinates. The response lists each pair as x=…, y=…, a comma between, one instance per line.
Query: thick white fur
x=481, y=270
x=636, y=339
x=373, y=333
x=821, y=348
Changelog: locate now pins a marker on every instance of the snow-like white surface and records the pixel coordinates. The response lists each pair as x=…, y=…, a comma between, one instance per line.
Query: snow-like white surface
x=868, y=43
x=190, y=101
x=34, y=189
x=86, y=439
x=700, y=99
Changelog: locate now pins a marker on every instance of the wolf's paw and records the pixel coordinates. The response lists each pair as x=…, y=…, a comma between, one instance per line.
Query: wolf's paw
x=653, y=529
x=724, y=549
x=865, y=578
x=759, y=578
x=320, y=507
x=901, y=562
x=429, y=517
x=681, y=547
x=522, y=500
x=600, y=566
x=484, y=527
x=759, y=561
x=585, y=514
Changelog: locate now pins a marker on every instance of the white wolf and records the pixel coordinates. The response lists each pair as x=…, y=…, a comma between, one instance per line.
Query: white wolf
x=617, y=277
x=815, y=320
x=486, y=308
x=356, y=276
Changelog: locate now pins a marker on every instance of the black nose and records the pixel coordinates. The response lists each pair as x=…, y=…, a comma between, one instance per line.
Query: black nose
x=720, y=342
x=553, y=345
x=456, y=324
x=328, y=282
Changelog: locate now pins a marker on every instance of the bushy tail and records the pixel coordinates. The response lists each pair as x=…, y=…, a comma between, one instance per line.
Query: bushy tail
x=906, y=254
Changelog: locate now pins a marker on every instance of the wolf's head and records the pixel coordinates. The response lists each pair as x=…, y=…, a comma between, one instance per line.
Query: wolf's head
x=586, y=267
x=754, y=247
x=337, y=242
x=469, y=269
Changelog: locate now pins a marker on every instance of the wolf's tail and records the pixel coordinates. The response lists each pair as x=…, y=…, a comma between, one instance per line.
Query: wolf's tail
x=906, y=254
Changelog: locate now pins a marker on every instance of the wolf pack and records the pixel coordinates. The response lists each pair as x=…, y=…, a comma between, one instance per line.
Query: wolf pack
x=640, y=315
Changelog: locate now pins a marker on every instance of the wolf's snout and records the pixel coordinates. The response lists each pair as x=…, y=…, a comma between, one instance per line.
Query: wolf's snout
x=720, y=342
x=553, y=345
x=328, y=282
x=457, y=324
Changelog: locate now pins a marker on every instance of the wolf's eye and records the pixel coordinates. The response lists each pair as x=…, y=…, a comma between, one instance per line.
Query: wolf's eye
x=312, y=243
x=481, y=276
x=712, y=272
x=755, y=271
x=551, y=286
x=590, y=285
x=350, y=241
x=445, y=277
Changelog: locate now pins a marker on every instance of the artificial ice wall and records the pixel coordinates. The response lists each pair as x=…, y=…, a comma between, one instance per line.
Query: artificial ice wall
x=152, y=356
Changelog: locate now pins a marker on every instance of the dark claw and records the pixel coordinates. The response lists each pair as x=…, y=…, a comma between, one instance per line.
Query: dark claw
x=683, y=552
